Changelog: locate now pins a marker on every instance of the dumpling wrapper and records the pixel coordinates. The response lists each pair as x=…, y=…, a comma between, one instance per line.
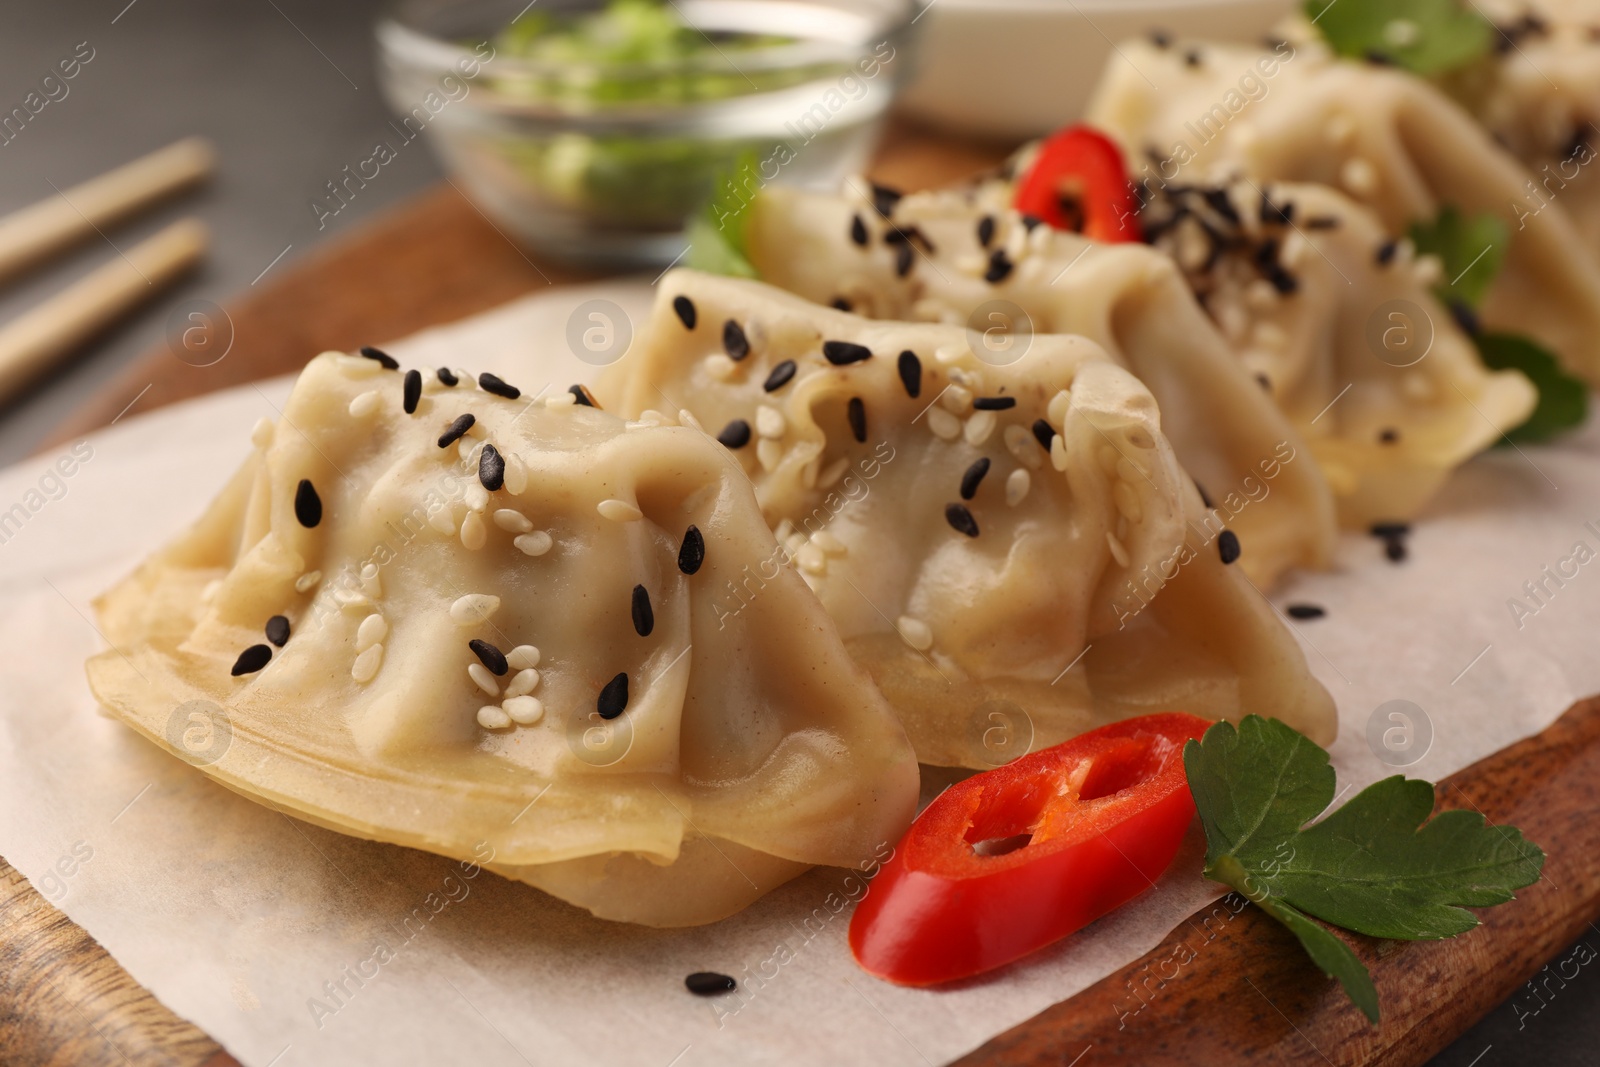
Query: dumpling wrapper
x=1392, y=141
x=1126, y=298
x=749, y=750
x=1094, y=588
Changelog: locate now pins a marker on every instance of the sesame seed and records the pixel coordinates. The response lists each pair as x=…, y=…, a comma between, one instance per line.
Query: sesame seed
x=483, y=679
x=373, y=629
x=884, y=199
x=974, y=478
x=858, y=231
x=261, y=432
x=693, y=551
x=474, y=607
x=1305, y=611
x=995, y=403
x=1044, y=433
x=856, y=412
x=523, y=657
x=1385, y=253
x=307, y=581
x=534, y=544
x=1161, y=39
x=986, y=230
x=380, y=356
x=473, y=533
x=523, y=710
x=493, y=718
x=960, y=519
x=944, y=425
x=841, y=304
x=1395, y=549
x=999, y=267
x=781, y=375
x=644, y=619
x=477, y=497
x=364, y=404
x=734, y=341
x=412, y=391
x=843, y=353
x=1265, y=382
x=307, y=504
x=1388, y=436
x=516, y=475
x=1322, y=222
x=769, y=453
x=736, y=434
x=686, y=418
x=525, y=681
x=561, y=400
x=491, y=468
x=980, y=427
x=1018, y=482
x=365, y=667
x=489, y=383
x=490, y=656
x=581, y=394
x=1388, y=530
x=686, y=312
x=1118, y=552
x=456, y=430
x=447, y=377
x=1228, y=546
x=904, y=260
x=709, y=983
x=252, y=659
x=278, y=630
x=719, y=367
x=914, y=632
x=613, y=699
x=1029, y=222
x=910, y=368
x=1191, y=58
x=770, y=422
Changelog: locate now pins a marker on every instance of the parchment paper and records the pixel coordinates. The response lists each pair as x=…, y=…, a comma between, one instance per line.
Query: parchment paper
x=294, y=945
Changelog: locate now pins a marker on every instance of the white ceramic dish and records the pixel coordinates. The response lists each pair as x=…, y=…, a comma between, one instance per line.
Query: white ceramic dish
x=1019, y=68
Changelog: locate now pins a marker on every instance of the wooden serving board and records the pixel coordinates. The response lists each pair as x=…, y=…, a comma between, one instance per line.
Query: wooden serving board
x=1227, y=986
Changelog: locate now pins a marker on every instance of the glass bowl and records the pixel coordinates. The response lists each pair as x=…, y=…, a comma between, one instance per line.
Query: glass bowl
x=605, y=162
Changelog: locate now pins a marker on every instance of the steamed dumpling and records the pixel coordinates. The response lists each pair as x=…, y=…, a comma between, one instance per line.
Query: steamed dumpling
x=495, y=619
x=1011, y=550
x=964, y=256
x=1392, y=141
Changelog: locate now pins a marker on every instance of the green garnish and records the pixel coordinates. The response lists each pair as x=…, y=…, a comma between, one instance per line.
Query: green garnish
x=718, y=236
x=1377, y=866
x=1426, y=37
x=1563, y=399
x=1471, y=249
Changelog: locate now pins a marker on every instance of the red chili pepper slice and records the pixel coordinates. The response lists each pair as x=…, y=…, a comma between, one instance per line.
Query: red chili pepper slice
x=1011, y=860
x=1079, y=182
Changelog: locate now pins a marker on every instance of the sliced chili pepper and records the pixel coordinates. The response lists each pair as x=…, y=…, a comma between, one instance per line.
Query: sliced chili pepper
x=1009, y=861
x=1079, y=182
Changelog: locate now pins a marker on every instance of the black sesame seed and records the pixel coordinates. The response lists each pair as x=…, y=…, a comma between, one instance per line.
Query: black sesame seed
x=448, y=377
x=1044, y=433
x=389, y=362
x=995, y=403
x=686, y=312
x=910, y=368
x=904, y=259
x=974, y=478
x=1272, y=214
x=581, y=394
x=841, y=304
x=1379, y=58
x=858, y=231
x=252, y=659
x=960, y=519
x=1388, y=436
x=307, y=504
x=456, y=430
x=1385, y=253
x=856, y=411
x=491, y=468
x=1466, y=317
x=999, y=267
x=1395, y=550
x=1161, y=39
x=1031, y=222
x=1222, y=204
x=1390, y=530
x=644, y=619
x=781, y=376
x=413, y=391
x=736, y=434
x=490, y=656
x=489, y=383
x=709, y=983
x=614, y=697
x=1283, y=281
x=843, y=353
x=884, y=199
x=1192, y=57
x=986, y=230
x=1322, y=222
x=693, y=552
x=1305, y=611
x=1228, y=546
x=734, y=342
x=278, y=630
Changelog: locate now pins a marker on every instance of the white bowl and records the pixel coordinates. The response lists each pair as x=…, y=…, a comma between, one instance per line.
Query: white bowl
x=1020, y=68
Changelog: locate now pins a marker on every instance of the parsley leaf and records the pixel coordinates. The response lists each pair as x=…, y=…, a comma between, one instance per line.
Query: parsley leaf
x=719, y=236
x=1378, y=865
x=1426, y=37
x=1563, y=399
x=1471, y=249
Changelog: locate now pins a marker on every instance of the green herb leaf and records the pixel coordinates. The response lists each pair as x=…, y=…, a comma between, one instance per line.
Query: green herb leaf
x=1426, y=37
x=1377, y=866
x=1471, y=249
x=1563, y=399
x=719, y=236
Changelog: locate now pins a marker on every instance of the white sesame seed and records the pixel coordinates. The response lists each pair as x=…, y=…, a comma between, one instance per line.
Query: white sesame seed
x=914, y=632
x=769, y=454
x=619, y=510
x=474, y=607
x=477, y=497
x=365, y=667
x=473, y=533
x=719, y=368
x=811, y=559
x=484, y=679
x=512, y=521
x=443, y=520
x=652, y=417
x=493, y=718
x=1428, y=271
x=1118, y=553
x=770, y=421
x=524, y=710
x=261, y=433
x=352, y=600
x=1359, y=176
x=828, y=543
x=795, y=543
x=561, y=400
x=957, y=399
x=1018, y=482
x=980, y=427
x=949, y=354
x=516, y=475
x=523, y=682
x=523, y=656
x=307, y=581
x=534, y=544
x=1294, y=250
x=686, y=418
x=1060, y=404
x=944, y=425
x=373, y=629
x=466, y=447
x=1022, y=445
x=1127, y=501
x=365, y=404
x=1058, y=452
x=1016, y=245
x=784, y=531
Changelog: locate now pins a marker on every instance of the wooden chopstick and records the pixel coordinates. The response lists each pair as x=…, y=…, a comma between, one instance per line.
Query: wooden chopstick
x=32, y=342
x=54, y=224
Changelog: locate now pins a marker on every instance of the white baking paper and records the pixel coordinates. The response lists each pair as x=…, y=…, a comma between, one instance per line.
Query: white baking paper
x=293, y=945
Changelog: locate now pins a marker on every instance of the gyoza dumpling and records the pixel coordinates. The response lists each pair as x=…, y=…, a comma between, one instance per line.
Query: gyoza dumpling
x=964, y=256
x=1003, y=547
x=494, y=620
x=1207, y=113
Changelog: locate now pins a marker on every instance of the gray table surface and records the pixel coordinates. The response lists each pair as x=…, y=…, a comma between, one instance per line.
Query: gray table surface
x=286, y=90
